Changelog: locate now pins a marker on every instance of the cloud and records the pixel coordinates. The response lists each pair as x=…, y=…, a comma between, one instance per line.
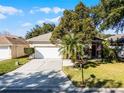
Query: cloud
x=9, y=10
x=40, y=22
x=27, y=24
x=2, y=16
x=47, y=10
x=55, y=20
x=32, y=12
x=57, y=9
x=35, y=9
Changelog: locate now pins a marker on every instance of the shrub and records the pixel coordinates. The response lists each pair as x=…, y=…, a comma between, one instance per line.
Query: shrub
x=109, y=54
x=29, y=51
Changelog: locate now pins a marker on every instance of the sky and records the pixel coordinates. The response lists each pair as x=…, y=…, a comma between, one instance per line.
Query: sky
x=19, y=16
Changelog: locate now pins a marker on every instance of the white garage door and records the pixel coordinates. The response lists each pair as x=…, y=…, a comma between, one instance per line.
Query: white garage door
x=5, y=52
x=47, y=52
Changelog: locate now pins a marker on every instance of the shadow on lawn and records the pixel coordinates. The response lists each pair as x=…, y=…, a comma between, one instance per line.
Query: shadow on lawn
x=95, y=63
x=91, y=64
x=93, y=82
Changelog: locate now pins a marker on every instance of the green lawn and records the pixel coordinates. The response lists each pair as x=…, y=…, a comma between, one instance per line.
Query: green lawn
x=102, y=75
x=9, y=65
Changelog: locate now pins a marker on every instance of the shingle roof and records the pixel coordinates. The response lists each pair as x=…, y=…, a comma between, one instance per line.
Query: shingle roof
x=115, y=37
x=45, y=38
x=11, y=40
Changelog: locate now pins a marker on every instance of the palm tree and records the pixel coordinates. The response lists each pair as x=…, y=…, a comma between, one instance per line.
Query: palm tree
x=72, y=48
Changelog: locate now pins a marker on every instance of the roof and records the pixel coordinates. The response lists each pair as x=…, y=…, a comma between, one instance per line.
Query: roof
x=115, y=37
x=10, y=40
x=45, y=38
x=97, y=40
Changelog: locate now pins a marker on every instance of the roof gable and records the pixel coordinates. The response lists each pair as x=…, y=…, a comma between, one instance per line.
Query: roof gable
x=45, y=38
x=12, y=40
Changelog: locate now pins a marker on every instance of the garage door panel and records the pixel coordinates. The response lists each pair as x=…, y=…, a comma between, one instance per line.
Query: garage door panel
x=49, y=52
x=4, y=52
x=38, y=54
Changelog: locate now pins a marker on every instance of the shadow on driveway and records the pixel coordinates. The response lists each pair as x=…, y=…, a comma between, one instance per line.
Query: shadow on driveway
x=47, y=76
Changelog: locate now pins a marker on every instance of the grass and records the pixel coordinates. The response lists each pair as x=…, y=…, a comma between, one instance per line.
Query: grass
x=102, y=75
x=9, y=65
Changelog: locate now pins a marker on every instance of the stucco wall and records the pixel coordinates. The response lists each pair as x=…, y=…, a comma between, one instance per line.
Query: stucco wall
x=18, y=50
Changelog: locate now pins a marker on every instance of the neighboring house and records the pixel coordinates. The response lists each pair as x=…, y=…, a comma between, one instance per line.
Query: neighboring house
x=43, y=47
x=12, y=47
x=117, y=41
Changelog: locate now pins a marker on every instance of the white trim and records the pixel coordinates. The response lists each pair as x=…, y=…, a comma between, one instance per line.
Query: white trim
x=42, y=45
x=5, y=44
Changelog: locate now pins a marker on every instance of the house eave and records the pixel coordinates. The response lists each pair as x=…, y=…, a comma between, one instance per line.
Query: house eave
x=39, y=42
x=5, y=44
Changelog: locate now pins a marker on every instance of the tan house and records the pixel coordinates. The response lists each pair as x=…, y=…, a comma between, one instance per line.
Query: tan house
x=12, y=47
x=43, y=47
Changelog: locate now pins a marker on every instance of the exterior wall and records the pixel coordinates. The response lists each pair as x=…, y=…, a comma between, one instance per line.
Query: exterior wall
x=46, y=51
x=5, y=52
x=13, y=49
x=18, y=50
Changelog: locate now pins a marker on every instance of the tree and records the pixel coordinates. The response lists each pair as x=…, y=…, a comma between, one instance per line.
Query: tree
x=108, y=53
x=38, y=30
x=110, y=15
x=76, y=21
x=72, y=48
x=82, y=10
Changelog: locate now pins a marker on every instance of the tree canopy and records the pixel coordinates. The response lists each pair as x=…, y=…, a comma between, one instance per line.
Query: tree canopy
x=38, y=30
x=71, y=47
x=109, y=14
x=76, y=21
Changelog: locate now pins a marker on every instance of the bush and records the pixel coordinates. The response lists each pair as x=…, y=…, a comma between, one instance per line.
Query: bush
x=109, y=54
x=29, y=51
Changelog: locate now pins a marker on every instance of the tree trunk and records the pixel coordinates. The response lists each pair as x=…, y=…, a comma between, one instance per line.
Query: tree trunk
x=82, y=75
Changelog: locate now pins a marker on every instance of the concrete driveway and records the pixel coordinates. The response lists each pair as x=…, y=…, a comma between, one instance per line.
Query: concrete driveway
x=37, y=74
